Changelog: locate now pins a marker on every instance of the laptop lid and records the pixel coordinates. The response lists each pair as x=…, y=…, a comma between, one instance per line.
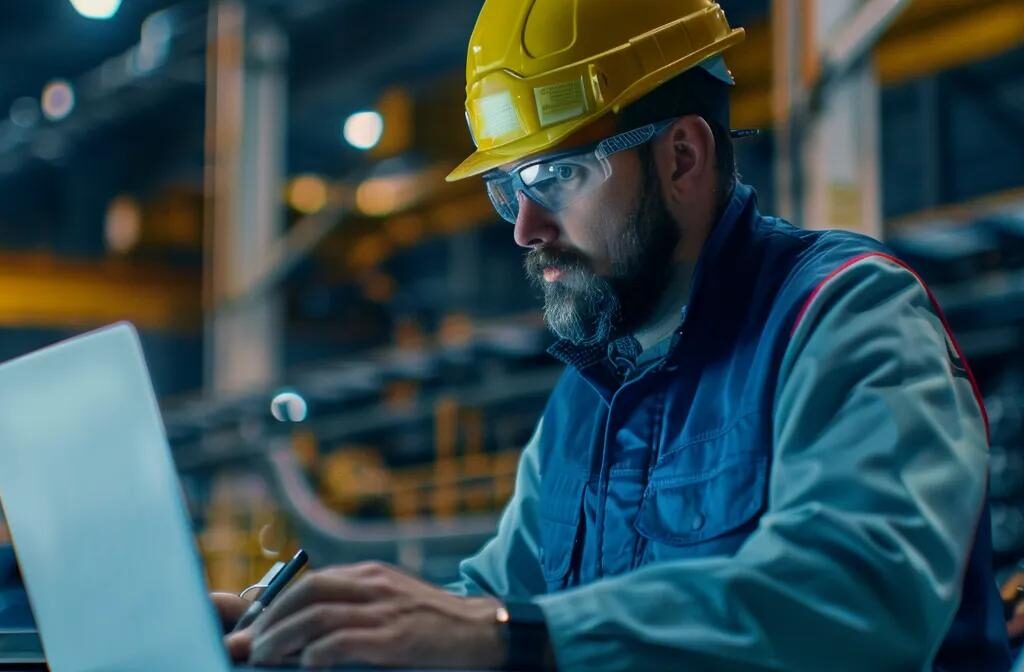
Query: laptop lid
x=96, y=512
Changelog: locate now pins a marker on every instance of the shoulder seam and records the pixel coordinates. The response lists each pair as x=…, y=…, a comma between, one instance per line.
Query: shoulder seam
x=846, y=265
x=836, y=272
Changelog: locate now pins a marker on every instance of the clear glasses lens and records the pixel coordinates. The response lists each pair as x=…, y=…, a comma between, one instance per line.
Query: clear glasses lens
x=552, y=184
x=558, y=181
x=502, y=193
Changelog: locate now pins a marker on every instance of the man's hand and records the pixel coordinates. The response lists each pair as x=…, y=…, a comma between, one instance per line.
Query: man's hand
x=230, y=607
x=373, y=613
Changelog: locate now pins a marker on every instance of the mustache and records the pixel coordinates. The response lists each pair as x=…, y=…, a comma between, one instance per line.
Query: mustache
x=544, y=257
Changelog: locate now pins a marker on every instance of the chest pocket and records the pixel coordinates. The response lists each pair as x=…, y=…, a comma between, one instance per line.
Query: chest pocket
x=559, y=516
x=704, y=514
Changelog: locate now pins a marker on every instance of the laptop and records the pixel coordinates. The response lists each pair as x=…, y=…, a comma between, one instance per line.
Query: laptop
x=96, y=513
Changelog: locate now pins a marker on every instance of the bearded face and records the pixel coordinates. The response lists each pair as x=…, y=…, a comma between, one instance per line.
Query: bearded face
x=584, y=307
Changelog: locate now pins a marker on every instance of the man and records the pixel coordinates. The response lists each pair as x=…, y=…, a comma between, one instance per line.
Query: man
x=766, y=451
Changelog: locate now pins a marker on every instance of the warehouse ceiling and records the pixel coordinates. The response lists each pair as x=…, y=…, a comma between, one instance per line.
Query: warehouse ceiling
x=342, y=53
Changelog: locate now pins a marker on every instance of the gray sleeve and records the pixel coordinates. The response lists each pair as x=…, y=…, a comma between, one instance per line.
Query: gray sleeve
x=508, y=565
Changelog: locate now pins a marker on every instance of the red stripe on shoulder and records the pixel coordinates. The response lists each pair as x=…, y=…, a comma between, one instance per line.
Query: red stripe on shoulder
x=821, y=285
x=931, y=297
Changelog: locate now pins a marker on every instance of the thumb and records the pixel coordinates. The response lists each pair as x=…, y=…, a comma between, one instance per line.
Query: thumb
x=239, y=644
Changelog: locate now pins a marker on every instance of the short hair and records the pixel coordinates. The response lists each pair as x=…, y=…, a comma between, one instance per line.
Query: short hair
x=694, y=91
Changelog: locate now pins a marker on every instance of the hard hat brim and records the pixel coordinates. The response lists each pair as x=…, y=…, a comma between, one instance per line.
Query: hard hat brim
x=483, y=160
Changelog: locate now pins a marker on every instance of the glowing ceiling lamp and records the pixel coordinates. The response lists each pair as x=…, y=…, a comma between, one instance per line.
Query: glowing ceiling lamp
x=307, y=194
x=58, y=100
x=154, y=42
x=364, y=129
x=124, y=224
x=288, y=406
x=96, y=9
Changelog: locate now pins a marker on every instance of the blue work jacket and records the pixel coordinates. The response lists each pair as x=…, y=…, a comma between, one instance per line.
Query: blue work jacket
x=797, y=484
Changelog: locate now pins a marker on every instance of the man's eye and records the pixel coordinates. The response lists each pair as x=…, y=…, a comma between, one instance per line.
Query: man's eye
x=561, y=172
x=566, y=172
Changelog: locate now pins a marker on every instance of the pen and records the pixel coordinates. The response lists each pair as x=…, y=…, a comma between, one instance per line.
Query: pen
x=287, y=573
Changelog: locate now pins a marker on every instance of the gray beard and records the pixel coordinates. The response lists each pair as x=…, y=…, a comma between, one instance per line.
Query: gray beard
x=581, y=307
x=586, y=309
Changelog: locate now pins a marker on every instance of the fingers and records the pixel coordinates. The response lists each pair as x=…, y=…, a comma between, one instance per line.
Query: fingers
x=239, y=645
x=346, y=585
x=326, y=604
x=1015, y=627
x=230, y=607
x=292, y=633
x=347, y=646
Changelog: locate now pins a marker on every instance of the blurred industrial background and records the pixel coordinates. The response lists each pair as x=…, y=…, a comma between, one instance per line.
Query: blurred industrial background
x=347, y=353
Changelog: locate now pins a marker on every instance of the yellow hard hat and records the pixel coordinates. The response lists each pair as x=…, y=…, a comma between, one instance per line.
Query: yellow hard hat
x=539, y=70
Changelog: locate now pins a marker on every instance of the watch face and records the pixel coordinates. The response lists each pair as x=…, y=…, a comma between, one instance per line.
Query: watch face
x=524, y=612
x=529, y=647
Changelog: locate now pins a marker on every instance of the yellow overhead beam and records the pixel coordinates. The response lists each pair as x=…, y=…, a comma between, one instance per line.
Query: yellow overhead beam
x=922, y=12
x=752, y=108
x=38, y=290
x=947, y=34
x=751, y=66
x=929, y=36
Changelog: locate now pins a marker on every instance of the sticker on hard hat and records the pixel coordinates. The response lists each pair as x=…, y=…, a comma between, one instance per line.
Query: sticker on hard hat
x=558, y=102
x=498, y=116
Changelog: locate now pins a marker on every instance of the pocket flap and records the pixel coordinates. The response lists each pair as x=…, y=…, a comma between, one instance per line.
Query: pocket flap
x=695, y=510
x=558, y=540
x=559, y=516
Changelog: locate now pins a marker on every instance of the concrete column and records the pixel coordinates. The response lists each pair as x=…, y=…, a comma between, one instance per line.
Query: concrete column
x=828, y=120
x=842, y=148
x=246, y=124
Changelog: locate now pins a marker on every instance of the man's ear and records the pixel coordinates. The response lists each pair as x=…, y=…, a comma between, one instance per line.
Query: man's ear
x=685, y=160
x=686, y=155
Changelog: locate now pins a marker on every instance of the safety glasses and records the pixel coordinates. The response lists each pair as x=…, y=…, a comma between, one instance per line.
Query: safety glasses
x=556, y=180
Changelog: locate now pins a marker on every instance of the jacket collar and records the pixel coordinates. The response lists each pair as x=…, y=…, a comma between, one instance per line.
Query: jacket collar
x=582, y=357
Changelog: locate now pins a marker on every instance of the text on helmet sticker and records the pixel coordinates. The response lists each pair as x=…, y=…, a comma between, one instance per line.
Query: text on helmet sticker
x=558, y=102
x=498, y=116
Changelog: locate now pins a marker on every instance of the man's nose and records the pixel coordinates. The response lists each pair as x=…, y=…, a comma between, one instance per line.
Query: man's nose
x=535, y=224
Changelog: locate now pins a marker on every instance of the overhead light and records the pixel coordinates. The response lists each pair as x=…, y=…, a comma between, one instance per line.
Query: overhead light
x=363, y=129
x=124, y=224
x=58, y=100
x=288, y=407
x=154, y=42
x=307, y=194
x=379, y=196
x=96, y=9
